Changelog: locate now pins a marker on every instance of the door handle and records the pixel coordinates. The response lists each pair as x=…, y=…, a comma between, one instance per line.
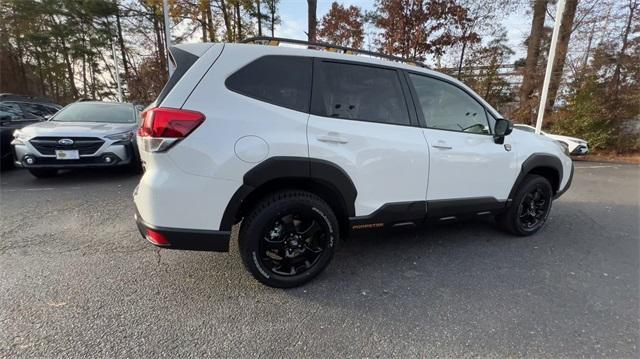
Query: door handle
x=332, y=139
x=442, y=147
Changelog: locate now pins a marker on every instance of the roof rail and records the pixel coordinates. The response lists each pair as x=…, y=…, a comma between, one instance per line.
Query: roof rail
x=276, y=41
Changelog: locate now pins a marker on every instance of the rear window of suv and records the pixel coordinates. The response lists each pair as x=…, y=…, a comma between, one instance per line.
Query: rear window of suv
x=280, y=80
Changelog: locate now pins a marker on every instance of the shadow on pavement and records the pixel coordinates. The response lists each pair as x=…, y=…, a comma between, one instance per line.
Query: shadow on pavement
x=19, y=178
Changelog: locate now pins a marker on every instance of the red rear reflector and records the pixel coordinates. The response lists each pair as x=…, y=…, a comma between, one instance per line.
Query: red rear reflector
x=157, y=238
x=169, y=122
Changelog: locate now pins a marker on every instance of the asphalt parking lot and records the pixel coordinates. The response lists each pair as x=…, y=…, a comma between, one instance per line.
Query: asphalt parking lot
x=77, y=280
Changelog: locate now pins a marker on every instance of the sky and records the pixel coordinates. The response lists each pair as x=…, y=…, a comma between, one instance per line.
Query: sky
x=294, y=21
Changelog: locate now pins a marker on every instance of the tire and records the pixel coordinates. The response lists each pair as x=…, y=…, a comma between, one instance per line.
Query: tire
x=43, y=172
x=276, y=244
x=523, y=218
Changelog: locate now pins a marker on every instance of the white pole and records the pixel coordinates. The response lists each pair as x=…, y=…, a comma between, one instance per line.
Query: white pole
x=115, y=62
x=552, y=55
x=167, y=34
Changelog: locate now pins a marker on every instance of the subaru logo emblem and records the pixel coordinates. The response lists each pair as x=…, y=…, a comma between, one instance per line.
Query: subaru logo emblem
x=65, y=142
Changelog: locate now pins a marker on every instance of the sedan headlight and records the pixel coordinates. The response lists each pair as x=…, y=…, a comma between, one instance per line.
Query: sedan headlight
x=122, y=136
x=18, y=138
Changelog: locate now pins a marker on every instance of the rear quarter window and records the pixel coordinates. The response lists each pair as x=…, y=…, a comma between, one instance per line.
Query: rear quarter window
x=279, y=80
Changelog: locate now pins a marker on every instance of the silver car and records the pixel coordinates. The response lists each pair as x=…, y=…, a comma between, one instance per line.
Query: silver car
x=83, y=134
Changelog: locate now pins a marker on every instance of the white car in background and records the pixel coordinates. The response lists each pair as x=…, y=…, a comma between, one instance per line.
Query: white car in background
x=575, y=146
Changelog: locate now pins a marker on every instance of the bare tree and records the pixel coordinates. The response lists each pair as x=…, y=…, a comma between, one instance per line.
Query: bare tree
x=632, y=5
x=238, y=21
x=121, y=41
x=272, y=6
x=530, y=76
x=481, y=16
x=226, y=17
x=566, y=28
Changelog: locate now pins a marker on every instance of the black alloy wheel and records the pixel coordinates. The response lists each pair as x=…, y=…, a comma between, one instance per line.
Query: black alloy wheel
x=533, y=208
x=530, y=207
x=293, y=244
x=288, y=238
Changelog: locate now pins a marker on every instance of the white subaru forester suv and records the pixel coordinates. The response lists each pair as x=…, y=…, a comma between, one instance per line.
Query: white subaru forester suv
x=303, y=147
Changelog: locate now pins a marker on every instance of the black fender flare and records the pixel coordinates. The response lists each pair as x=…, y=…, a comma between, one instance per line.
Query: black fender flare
x=291, y=168
x=537, y=160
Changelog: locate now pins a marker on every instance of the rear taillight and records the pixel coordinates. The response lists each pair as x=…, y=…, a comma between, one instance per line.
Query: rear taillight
x=163, y=127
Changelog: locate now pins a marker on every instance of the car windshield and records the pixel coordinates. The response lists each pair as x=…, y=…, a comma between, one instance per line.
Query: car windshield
x=96, y=112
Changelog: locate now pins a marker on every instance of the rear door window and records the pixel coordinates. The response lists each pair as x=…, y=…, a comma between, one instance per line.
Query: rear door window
x=280, y=80
x=358, y=92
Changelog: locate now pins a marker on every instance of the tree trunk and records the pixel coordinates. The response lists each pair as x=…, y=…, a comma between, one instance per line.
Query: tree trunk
x=84, y=62
x=92, y=73
x=159, y=44
x=40, y=73
x=209, y=21
x=203, y=23
x=125, y=64
x=312, y=20
x=238, y=22
x=67, y=61
x=587, y=52
x=227, y=21
x=615, y=80
x=23, y=71
x=530, y=74
x=259, y=13
x=464, y=46
x=273, y=19
x=561, y=53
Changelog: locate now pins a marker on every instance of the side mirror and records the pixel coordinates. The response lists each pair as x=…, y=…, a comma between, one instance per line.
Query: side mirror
x=502, y=128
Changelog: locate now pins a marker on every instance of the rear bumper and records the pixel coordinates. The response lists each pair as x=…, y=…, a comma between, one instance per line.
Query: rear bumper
x=186, y=239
